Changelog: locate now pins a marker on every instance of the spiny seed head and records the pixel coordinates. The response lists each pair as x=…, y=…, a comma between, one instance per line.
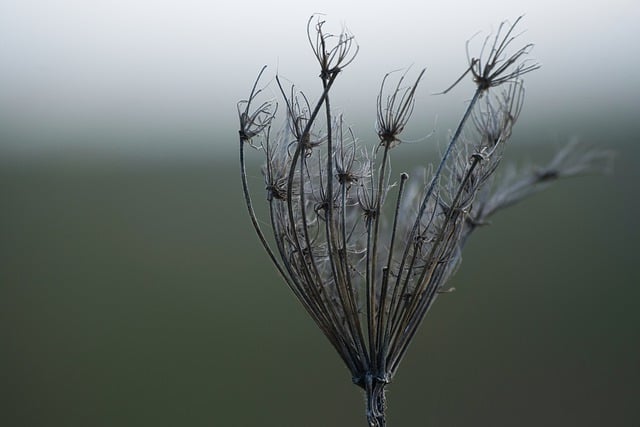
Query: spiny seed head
x=494, y=65
x=254, y=121
x=333, y=52
x=394, y=110
x=367, y=251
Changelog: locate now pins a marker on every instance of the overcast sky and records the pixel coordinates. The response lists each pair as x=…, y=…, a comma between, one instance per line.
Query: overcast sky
x=149, y=67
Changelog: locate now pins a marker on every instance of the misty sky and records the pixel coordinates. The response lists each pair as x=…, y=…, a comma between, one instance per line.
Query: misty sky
x=70, y=69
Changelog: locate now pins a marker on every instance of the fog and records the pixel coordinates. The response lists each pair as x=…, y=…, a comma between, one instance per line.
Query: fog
x=104, y=73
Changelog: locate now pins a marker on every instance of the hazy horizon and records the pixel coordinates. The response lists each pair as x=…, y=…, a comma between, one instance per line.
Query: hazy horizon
x=137, y=73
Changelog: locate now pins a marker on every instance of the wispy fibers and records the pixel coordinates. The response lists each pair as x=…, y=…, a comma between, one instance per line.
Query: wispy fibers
x=367, y=253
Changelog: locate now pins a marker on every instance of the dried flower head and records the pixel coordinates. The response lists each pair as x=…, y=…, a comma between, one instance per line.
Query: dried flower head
x=332, y=52
x=365, y=252
x=254, y=122
x=494, y=65
x=394, y=110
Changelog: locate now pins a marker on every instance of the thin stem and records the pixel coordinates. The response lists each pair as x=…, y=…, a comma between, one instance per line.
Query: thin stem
x=397, y=328
x=351, y=300
x=385, y=279
x=427, y=288
x=296, y=155
x=376, y=401
x=372, y=256
x=254, y=220
x=428, y=194
x=348, y=307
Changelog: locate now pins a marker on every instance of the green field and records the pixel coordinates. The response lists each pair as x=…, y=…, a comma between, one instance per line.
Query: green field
x=133, y=293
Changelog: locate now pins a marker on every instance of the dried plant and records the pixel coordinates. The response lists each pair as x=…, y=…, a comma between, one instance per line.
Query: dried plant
x=367, y=254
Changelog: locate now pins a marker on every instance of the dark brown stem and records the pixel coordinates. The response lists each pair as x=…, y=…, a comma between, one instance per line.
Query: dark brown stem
x=376, y=401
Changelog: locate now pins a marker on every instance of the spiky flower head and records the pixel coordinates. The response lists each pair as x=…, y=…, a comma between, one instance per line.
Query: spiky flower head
x=365, y=251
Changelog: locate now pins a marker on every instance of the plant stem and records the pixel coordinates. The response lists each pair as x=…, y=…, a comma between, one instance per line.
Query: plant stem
x=376, y=401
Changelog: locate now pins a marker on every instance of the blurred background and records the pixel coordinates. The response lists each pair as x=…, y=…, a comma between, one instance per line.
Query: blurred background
x=134, y=293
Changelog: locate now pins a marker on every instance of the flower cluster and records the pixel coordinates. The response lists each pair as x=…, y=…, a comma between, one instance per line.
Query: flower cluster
x=365, y=252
